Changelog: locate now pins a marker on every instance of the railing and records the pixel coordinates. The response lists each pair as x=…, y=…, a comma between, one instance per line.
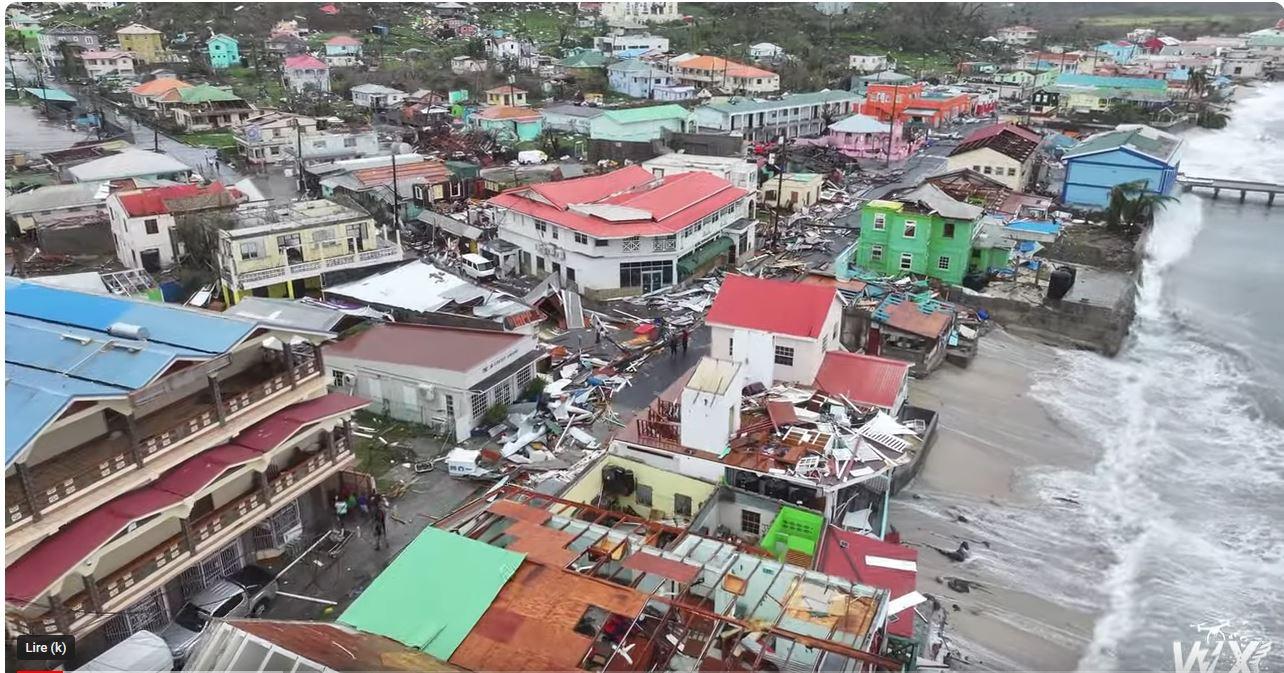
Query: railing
x=18, y=508
x=391, y=251
x=201, y=535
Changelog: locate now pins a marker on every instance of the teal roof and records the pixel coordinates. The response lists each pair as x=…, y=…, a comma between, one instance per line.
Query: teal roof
x=53, y=95
x=585, y=58
x=205, y=93
x=646, y=114
x=1104, y=82
x=1140, y=139
x=739, y=104
x=434, y=592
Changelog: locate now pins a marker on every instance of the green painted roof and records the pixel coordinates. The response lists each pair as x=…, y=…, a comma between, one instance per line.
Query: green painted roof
x=646, y=114
x=51, y=95
x=740, y=104
x=434, y=592
x=585, y=58
x=1268, y=37
x=205, y=93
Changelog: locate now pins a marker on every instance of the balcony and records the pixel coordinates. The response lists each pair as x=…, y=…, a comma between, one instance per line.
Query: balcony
x=387, y=251
x=36, y=489
x=89, y=608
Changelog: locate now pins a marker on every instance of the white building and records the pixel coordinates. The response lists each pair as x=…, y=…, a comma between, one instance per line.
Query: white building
x=792, y=115
x=377, y=96
x=142, y=221
x=766, y=50
x=305, y=72
x=627, y=232
x=867, y=63
x=779, y=330
x=263, y=138
x=637, y=13
x=441, y=377
x=104, y=63
x=736, y=170
x=1017, y=35
x=467, y=64
x=609, y=44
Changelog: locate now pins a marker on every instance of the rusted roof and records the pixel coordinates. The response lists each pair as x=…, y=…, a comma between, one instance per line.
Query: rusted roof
x=862, y=379
x=341, y=648
x=508, y=112
x=159, y=86
x=931, y=321
x=683, y=573
x=432, y=346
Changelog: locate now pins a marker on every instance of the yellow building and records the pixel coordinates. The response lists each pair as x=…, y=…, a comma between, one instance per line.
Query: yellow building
x=795, y=192
x=647, y=491
x=282, y=251
x=144, y=42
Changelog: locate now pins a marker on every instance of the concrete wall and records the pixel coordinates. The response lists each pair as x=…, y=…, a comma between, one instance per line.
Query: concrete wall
x=691, y=466
x=1067, y=324
x=88, y=239
x=664, y=486
x=709, y=419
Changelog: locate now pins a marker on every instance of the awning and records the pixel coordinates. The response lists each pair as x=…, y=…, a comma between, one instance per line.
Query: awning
x=450, y=225
x=694, y=259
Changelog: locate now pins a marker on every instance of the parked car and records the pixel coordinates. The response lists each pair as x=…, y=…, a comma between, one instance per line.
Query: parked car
x=245, y=593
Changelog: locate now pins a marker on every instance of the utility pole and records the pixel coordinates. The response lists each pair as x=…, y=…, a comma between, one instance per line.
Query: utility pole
x=155, y=139
x=396, y=209
x=44, y=93
x=891, y=132
x=298, y=154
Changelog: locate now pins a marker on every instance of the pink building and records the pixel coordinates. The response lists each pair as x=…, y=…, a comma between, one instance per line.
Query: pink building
x=864, y=137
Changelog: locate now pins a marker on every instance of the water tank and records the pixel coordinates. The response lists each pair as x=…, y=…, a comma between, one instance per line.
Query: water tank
x=1059, y=284
x=126, y=330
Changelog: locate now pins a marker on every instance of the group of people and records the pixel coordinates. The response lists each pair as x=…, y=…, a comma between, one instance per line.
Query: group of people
x=374, y=506
x=677, y=338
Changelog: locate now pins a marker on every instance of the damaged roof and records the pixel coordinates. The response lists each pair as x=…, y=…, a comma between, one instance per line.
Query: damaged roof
x=863, y=379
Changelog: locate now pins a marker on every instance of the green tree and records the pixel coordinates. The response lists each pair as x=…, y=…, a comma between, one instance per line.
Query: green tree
x=1131, y=207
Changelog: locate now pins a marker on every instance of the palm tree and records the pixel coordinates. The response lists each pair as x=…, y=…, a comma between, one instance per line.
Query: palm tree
x=1197, y=83
x=1131, y=207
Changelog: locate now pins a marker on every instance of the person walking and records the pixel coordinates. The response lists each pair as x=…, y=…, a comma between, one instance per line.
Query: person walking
x=380, y=526
x=686, y=336
x=673, y=345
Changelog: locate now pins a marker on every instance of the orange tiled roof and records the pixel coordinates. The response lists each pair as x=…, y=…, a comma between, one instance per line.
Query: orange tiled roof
x=159, y=86
x=732, y=68
x=508, y=112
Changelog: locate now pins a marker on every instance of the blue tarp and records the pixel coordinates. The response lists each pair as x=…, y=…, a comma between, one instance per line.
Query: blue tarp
x=1035, y=226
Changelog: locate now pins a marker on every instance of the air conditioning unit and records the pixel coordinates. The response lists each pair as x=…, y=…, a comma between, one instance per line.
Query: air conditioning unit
x=349, y=379
x=427, y=391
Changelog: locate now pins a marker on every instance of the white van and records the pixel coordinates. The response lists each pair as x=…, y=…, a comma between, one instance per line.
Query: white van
x=142, y=652
x=478, y=267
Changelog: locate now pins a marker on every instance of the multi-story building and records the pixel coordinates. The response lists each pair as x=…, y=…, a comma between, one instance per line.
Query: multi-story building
x=864, y=137
x=377, y=96
x=636, y=78
x=144, y=95
x=282, y=251
x=305, y=72
x=791, y=116
x=1129, y=154
x=610, y=44
x=78, y=38
x=628, y=231
x=107, y=63
x=1268, y=44
x=333, y=144
x=923, y=231
x=223, y=51
x=343, y=51
x=264, y=137
x=1021, y=35
x=642, y=12
x=866, y=63
x=641, y=124
x=145, y=43
x=203, y=107
x=143, y=221
x=1005, y=152
x=715, y=72
x=740, y=173
x=153, y=449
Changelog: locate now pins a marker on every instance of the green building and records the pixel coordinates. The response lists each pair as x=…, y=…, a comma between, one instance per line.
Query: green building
x=224, y=52
x=926, y=232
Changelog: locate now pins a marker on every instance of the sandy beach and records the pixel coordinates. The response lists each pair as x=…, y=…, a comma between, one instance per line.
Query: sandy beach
x=993, y=441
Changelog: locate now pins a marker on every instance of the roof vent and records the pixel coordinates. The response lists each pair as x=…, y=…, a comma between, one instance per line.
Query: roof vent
x=126, y=330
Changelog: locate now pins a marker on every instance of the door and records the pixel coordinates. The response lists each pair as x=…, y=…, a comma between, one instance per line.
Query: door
x=151, y=260
x=652, y=281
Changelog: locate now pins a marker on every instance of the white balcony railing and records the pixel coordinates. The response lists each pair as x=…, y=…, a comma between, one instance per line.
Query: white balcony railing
x=387, y=251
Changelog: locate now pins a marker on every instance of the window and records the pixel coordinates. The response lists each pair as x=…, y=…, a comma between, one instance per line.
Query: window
x=977, y=168
x=289, y=240
x=644, y=495
x=633, y=244
x=880, y=221
x=876, y=253
x=541, y=226
x=948, y=230
x=681, y=504
x=731, y=347
x=555, y=234
x=633, y=274
x=478, y=405
x=665, y=243
x=1011, y=171
x=251, y=250
x=784, y=356
x=911, y=228
x=602, y=242
x=150, y=226
x=349, y=142
x=907, y=261
x=570, y=273
x=750, y=522
x=986, y=170
x=581, y=238
x=943, y=263
x=338, y=377
x=450, y=406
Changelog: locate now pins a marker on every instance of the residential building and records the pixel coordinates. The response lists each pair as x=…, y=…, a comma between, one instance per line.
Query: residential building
x=1156, y=44
x=1047, y=60
x=507, y=49
x=1007, y=152
x=923, y=231
x=223, y=52
x=1119, y=51
x=204, y=107
x=263, y=138
x=131, y=164
x=640, y=13
x=1019, y=35
x=180, y=445
x=637, y=78
x=99, y=64
x=419, y=292
x=1096, y=93
x=333, y=144
x=736, y=170
x=420, y=181
x=570, y=117
x=144, y=95
x=610, y=44
x=626, y=232
x=1131, y=153
x=27, y=26
x=860, y=84
x=858, y=557
x=1026, y=79
x=377, y=97
x=343, y=51
x=673, y=94
x=865, y=380
x=446, y=378
x=791, y=116
x=1268, y=44
x=47, y=205
x=1243, y=64
x=509, y=124
x=305, y=72
x=143, y=221
x=462, y=65
x=77, y=39
x=915, y=103
x=281, y=44
x=776, y=330
x=715, y=72
x=263, y=645
x=581, y=61
x=507, y=96
x=145, y=43
x=792, y=191
x=283, y=250
x=864, y=137
x=641, y=124
x=867, y=63
x=996, y=198
x=766, y=51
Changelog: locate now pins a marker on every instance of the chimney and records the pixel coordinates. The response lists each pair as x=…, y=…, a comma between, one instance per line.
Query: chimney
x=711, y=405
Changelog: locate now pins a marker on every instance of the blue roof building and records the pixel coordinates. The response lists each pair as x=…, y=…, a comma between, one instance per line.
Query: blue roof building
x=1131, y=153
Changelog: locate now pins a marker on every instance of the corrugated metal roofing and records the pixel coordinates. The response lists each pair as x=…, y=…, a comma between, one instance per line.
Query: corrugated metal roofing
x=432, y=346
x=863, y=379
x=34, y=397
x=848, y=555
x=776, y=306
x=88, y=355
x=647, y=114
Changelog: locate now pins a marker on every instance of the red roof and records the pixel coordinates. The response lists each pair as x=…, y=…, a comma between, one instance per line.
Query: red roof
x=845, y=554
x=509, y=112
x=777, y=306
x=454, y=349
x=304, y=62
x=156, y=201
x=649, y=206
x=343, y=41
x=57, y=554
x=329, y=9
x=996, y=129
x=908, y=316
x=863, y=379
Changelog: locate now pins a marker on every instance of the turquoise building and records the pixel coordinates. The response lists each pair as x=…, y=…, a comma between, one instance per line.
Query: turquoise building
x=641, y=124
x=1131, y=153
x=223, y=51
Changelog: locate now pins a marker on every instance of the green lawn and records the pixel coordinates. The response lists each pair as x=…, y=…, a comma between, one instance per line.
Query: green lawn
x=216, y=139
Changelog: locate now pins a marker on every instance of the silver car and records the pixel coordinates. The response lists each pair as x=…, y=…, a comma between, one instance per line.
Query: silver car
x=246, y=593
